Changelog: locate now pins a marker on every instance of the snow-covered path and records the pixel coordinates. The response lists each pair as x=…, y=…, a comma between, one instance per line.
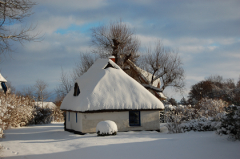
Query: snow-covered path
x=52, y=142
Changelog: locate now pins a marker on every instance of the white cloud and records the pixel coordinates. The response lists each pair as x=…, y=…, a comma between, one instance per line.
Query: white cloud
x=74, y=4
x=50, y=24
x=147, y=40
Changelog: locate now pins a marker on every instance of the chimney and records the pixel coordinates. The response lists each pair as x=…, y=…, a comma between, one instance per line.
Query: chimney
x=112, y=58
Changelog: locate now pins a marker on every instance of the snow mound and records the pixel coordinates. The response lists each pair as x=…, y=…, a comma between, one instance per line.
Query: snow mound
x=107, y=127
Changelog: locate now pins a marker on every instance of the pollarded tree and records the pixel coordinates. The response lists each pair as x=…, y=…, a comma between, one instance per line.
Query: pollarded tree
x=165, y=64
x=12, y=12
x=116, y=39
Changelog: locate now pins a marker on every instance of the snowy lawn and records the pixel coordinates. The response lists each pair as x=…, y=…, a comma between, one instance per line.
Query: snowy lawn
x=52, y=142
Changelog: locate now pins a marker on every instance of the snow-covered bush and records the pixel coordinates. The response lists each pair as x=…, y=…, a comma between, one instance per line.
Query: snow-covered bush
x=202, y=124
x=42, y=115
x=203, y=117
x=15, y=111
x=230, y=123
x=22, y=113
x=106, y=128
x=174, y=124
x=57, y=115
x=211, y=108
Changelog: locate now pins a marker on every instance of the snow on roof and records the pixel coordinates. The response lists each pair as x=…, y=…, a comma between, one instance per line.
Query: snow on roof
x=146, y=75
x=2, y=79
x=152, y=87
x=50, y=105
x=162, y=95
x=109, y=89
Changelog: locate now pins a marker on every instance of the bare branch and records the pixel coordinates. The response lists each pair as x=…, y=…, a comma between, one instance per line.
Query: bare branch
x=65, y=85
x=116, y=39
x=11, y=12
x=164, y=64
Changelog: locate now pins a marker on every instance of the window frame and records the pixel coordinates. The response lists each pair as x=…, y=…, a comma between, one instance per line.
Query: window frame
x=139, y=118
x=76, y=117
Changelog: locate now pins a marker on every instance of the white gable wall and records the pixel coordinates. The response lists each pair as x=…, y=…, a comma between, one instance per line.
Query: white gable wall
x=72, y=123
x=87, y=122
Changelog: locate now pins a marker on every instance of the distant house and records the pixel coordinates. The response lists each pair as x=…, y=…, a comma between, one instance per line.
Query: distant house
x=49, y=105
x=106, y=92
x=3, y=86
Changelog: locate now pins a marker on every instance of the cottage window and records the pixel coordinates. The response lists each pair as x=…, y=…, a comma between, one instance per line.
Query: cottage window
x=76, y=90
x=108, y=65
x=134, y=118
x=76, y=117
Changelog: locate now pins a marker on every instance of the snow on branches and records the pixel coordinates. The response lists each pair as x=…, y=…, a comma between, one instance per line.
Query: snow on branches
x=203, y=117
x=17, y=111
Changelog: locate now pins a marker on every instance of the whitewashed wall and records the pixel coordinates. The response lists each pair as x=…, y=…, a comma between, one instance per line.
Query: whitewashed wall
x=72, y=124
x=87, y=122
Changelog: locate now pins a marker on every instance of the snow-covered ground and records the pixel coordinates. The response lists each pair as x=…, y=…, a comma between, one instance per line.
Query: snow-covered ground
x=52, y=142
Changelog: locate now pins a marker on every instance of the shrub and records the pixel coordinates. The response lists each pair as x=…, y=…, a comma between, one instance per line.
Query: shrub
x=42, y=115
x=211, y=108
x=15, y=111
x=202, y=124
x=174, y=123
x=106, y=128
x=204, y=117
x=58, y=115
x=230, y=123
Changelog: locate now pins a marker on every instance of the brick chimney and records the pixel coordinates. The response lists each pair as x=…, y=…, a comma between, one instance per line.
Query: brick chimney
x=112, y=58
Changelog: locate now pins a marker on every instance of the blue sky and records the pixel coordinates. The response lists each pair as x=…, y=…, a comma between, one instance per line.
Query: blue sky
x=205, y=33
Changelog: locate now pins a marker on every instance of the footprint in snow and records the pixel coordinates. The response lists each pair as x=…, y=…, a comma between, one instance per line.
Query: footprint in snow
x=14, y=152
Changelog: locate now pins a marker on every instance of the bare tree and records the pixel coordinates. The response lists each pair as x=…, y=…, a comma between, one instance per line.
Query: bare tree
x=164, y=64
x=13, y=11
x=84, y=62
x=116, y=39
x=65, y=85
x=28, y=91
x=41, y=91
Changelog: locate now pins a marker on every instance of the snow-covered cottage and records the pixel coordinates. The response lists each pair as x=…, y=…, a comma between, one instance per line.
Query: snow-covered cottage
x=106, y=92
